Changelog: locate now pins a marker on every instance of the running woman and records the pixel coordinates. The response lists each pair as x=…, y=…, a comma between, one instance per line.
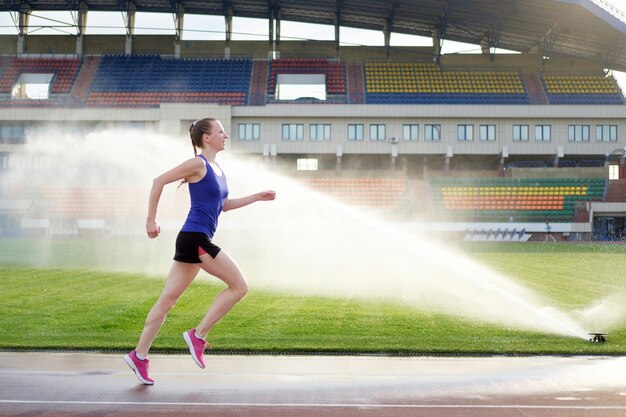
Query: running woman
x=194, y=247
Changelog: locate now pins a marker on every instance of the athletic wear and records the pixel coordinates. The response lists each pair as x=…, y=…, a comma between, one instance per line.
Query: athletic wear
x=140, y=367
x=207, y=201
x=190, y=245
x=196, y=346
x=194, y=239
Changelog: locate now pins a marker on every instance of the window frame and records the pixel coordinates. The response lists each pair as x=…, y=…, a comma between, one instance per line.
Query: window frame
x=523, y=134
x=578, y=133
x=12, y=134
x=359, y=132
x=314, y=132
x=297, y=128
x=375, y=132
x=255, y=130
x=413, y=132
x=488, y=129
x=431, y=128
x=465, y=132
x=543, y=129
x=601, y=130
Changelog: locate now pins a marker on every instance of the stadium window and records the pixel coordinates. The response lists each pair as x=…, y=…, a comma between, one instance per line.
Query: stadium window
x=293, y=132
x=378, y=132
x=319, y=132
x=306, y=164
x=614, y=172
x=520, y=132
x=410, y=132
x=303, y=87
x=578, y=133
x=542, y=133
x=12, y=134
x=487, y=132
x=465, y=132
x=249, y=131
x=432, y=132
x=606, y=133
x=355, y=132
x=32, y=87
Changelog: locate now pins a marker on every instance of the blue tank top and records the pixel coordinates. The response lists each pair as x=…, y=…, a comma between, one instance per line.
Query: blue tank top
x=207, y=201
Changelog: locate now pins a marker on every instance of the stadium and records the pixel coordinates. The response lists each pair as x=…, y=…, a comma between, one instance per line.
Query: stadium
x=489, y=146
x=447, y=233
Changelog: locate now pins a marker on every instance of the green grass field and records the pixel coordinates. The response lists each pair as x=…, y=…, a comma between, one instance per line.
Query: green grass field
x=48, y=307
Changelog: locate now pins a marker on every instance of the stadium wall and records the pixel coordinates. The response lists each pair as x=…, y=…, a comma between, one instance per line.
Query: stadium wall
x=272, y=117
x=174, y=118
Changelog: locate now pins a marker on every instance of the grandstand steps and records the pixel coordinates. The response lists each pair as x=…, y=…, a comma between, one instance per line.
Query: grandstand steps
x=581, y=213
x=83, y=80
x=535, y=88
x=4, y=63
x=259, y=83
x=356, y=83
x=616, y=192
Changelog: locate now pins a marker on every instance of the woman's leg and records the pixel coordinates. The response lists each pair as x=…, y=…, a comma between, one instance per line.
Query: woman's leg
x=224, y=268
x=180, y=276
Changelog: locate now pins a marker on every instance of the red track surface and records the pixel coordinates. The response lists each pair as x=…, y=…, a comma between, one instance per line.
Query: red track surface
x=62, y=384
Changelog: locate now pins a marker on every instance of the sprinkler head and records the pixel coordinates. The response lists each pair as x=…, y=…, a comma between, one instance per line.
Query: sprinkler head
x=598, y=337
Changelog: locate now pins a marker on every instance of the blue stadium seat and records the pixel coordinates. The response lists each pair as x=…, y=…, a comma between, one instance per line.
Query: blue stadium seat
x=224, y=80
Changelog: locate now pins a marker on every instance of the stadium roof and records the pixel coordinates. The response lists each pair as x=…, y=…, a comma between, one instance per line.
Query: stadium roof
x=586, y=29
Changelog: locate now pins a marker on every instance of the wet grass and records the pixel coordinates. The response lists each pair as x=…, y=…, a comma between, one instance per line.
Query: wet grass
x=83, y=309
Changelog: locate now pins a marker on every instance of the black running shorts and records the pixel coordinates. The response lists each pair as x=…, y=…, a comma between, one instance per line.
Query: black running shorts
x=190, y=245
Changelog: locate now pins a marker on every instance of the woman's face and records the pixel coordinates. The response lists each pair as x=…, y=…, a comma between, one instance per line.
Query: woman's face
x=217, y=138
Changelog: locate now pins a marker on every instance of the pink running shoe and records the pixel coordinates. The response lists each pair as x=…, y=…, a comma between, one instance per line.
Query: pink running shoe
x=196, y=347
x=139, y=367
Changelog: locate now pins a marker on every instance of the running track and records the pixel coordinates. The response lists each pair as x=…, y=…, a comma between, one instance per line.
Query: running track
x=90, y=384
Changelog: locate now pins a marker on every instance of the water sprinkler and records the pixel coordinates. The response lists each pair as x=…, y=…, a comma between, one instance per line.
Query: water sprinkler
x=598, y=337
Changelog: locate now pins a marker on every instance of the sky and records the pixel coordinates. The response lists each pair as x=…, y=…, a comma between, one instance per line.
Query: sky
x=198, y=27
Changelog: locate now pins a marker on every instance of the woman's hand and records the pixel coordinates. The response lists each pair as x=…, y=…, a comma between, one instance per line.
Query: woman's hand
x=152, y=228
x=266, y=195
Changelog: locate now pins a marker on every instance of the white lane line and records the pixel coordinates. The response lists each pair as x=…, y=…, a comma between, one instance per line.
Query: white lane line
x=319, y=405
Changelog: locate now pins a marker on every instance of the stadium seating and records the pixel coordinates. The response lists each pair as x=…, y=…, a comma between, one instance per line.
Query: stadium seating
x=372, y=192
x=582, y=89
x=505, y=199
x=65, y=71
x=51, y=102
x=335, y=72
x=148, y=80
x=143, y=99
x=425, y=83
x=84, y=202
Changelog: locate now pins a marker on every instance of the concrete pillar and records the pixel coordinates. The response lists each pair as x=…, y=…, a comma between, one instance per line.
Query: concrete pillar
x=81, y=26
x=23, y=19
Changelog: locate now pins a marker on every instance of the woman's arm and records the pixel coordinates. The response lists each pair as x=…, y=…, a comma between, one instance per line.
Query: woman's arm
x=191, y=169
x=235, y=203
